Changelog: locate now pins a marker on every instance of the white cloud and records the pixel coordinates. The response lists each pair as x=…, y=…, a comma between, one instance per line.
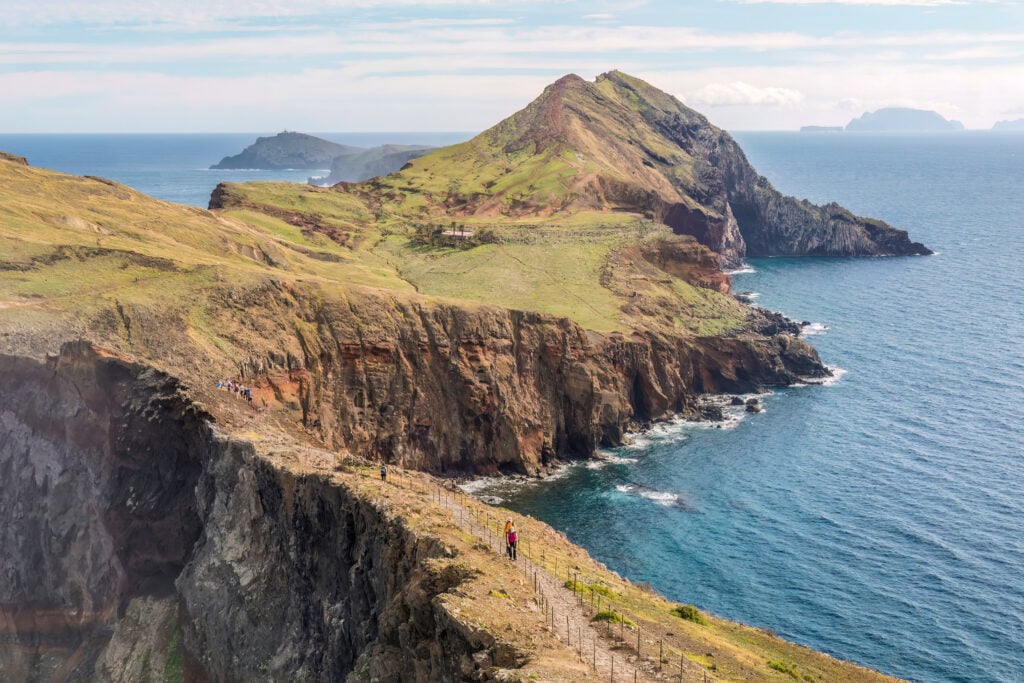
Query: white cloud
x=834, y=93
x=196, y=13
x=738, y=92
x=483, y=69
x=383, y=95
x=998, y=52
x=484, y=39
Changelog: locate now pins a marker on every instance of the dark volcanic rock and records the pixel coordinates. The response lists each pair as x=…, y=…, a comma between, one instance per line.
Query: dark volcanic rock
x=711, y=412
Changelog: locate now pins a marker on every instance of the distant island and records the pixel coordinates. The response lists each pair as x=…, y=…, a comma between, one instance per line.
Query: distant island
x=301, y=151
x=287, y=150
x=1015, y=125
x=821, y=129
x=901, y=119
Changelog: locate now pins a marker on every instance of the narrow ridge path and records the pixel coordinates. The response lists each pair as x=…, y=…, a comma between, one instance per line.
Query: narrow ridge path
x=566, y=617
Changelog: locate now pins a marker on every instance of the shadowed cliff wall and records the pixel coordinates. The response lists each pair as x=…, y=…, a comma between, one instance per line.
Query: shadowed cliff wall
x=136, y=539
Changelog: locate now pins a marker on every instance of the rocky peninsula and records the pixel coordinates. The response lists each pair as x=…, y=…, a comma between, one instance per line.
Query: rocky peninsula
x=158, y=526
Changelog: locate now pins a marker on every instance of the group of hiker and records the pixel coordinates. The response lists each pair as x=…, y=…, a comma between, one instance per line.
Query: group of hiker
x=237, y=389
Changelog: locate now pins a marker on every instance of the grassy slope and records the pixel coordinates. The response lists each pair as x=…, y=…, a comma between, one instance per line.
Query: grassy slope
x=565, y=265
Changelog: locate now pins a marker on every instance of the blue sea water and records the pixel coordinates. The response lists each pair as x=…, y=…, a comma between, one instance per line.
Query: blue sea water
x=176, y=167
x=881, y=518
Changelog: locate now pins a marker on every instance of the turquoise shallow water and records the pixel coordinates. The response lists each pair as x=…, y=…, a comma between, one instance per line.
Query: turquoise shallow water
x=880, y=519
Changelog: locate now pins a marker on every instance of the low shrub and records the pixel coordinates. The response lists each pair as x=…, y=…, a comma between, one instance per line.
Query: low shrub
x=785, y=668
x=612, y=617
x=592, y=587
x=690, y=613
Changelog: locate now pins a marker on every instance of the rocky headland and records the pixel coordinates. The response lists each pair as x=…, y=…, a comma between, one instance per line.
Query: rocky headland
x=159, y=527
x=619, y=144
x=285, y=150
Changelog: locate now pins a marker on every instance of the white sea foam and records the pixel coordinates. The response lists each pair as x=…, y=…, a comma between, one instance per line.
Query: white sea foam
x=742, y=270
x=475, y=486
x=837, y=374
x=662, y=498
x=494, y=490
x=814, y=329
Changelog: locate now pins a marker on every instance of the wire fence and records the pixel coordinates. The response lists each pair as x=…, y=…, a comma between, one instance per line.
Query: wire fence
x=595, y=626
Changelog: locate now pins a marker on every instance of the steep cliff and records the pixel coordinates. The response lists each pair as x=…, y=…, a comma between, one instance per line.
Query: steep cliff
x=142, y=543
x=448, y=388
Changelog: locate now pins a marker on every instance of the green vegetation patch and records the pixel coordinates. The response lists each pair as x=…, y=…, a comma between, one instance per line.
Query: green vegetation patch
x=174, y=666
x=690, y=613
x=612, y=617
x=559, y=277
x=597, y=588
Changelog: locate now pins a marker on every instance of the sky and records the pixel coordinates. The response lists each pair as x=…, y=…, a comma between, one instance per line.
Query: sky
x=463, y=65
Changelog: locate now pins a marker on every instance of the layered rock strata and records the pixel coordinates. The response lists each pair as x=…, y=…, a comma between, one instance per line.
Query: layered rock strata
x=477, y=389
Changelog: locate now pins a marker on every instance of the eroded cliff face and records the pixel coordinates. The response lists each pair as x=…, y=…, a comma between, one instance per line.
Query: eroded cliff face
x=140, y=541
x=477, y=389
x=99, y=465
x=736, y=211
x=752, y=218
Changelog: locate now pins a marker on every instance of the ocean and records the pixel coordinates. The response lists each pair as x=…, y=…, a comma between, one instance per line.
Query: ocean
x=879, y=518
x=176, y=168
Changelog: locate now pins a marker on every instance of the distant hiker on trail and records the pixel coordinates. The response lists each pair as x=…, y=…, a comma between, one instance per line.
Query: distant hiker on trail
x=511, y=538
x=383, y=472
